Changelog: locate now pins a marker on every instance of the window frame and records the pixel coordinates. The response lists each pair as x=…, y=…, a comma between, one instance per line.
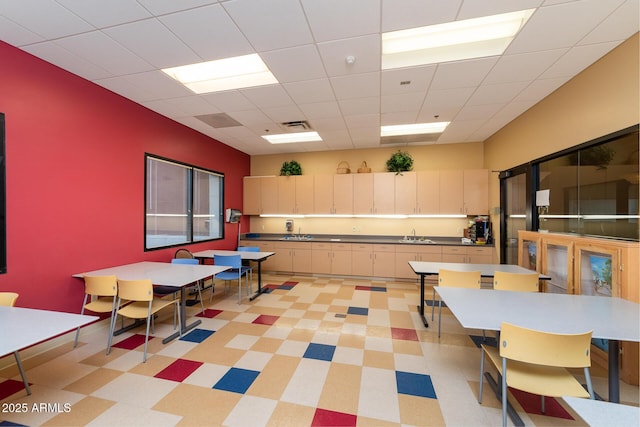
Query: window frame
x=191, y=197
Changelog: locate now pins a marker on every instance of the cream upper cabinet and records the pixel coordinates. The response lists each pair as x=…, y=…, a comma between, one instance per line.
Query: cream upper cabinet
x=428, y=192
x=295, y=194
x=406, y=193
x=305, y=185
x=260, y=195
x=384, y=193
x=323, y=194
x=343, y=194
x=476, y=191
x=251, y=202
x=451, y=187
x=363, y=193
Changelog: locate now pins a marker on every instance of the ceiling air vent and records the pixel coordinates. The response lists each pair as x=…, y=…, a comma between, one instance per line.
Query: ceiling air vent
x=409, y=139
x=220, y=120
x=296, y=126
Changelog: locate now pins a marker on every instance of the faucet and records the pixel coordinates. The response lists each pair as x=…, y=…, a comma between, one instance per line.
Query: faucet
x=413, y=234
x=299, y=234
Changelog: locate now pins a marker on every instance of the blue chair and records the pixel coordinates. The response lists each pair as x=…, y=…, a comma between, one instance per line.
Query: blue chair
x=235, y=273
x=246, y=264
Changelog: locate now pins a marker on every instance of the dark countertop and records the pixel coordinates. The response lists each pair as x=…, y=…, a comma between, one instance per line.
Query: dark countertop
x=371, y=239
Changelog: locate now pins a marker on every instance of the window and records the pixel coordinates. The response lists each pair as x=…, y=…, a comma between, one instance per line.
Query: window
x=183, y=203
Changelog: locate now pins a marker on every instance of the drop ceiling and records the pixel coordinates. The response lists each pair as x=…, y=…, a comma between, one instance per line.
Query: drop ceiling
x=122, y=45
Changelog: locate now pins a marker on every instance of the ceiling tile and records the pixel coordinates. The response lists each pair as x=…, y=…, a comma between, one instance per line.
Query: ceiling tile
x=407, y=80
x=476, y=8
x=268, y=96
x=16, y=34
x=44, y=17
x=577, y=59
x=103, y=14
x=202, y=29
x=285, y=26
x=522, y=67
x=321, y=110
x=310, y=91
x=365, y=51
x=403, y=14
x=356, y=86
x=462, y=73
x=491, y=94
x=289, y=113
x=618, y=26
x=356, y=106
x=402, y=102
x=154, y=43
x=294, y=64
x=161, y=7
x=51, y=52
x=339, y=19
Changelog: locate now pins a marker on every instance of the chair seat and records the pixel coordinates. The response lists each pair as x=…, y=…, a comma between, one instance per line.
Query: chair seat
x=140, y=309
x=100, y=305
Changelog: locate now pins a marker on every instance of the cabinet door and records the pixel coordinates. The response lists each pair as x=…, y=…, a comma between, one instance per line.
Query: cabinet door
x=480, y=255
x=384, y=261
x=405, y=193
x=301, y=260
x=528, y=246
x=362, y=260
x=323, y=194
x=402, y=268
x=269, y=194
x=321, y=259
x=343, y=194
x=451, y=192
x=476, y=191
x=251, y=198
x=282, y=259
x=304, y=194
x=286, y=194
x=557, y=262
x=428, y=192
x=363, y=193
x=596, y=270
x=341, y=262
x=454, y=254
x=383, y=193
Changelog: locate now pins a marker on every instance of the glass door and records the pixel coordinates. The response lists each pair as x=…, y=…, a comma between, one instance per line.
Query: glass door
x=514, y=216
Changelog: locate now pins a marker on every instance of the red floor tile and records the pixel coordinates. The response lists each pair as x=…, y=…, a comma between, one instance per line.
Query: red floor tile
x=404, y=334
x=265, y=319
x=324, y=417
x=132, y=342
x=178, y=370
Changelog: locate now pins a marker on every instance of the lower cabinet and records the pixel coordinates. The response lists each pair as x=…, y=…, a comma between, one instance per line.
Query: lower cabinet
x=362, y=259
x=384, y=260
x=406, y=253
x=292, y=257
x=467, y=254
x=331, y=258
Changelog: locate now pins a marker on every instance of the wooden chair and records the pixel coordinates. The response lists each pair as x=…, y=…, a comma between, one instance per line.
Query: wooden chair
x=503, y=281
x=536, y=362
x=454, y=279
x=100, y=296
x=143, y=305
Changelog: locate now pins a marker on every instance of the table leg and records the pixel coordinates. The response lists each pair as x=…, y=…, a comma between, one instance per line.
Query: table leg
x=22, y=373
x=184, y=328
x=421, y=306
x=614, y=371
x=260, y=290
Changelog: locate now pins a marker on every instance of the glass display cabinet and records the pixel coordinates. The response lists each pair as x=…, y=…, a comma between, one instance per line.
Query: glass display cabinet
x=557, y=261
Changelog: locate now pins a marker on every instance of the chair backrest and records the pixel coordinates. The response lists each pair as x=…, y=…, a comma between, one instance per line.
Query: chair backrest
x=504, y=281
x=233, y=261
x=459, y=279
x=102, y=286
x=248, y=249
x=8, y=299
x=545, y=348
x=183, y=253
x=185, y=261
x=135, y=290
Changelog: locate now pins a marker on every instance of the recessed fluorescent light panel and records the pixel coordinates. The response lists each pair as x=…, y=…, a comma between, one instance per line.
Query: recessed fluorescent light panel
x=223, y=74
x=452, y=41
x=288, y=138
x=413, y=129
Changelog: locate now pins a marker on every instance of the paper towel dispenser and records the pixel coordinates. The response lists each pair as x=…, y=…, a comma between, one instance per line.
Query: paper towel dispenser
x=233, y=215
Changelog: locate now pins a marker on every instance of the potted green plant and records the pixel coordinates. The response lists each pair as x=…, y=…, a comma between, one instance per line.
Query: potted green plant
x=290, y=168
x=399, y=162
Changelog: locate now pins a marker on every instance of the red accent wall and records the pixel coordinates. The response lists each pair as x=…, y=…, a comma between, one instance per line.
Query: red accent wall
x=75, y=178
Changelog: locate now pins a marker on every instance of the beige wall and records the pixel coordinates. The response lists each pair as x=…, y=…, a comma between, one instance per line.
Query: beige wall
x=602, y=99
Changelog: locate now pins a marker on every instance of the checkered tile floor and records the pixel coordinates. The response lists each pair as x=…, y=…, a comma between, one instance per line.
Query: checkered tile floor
x=313, y=351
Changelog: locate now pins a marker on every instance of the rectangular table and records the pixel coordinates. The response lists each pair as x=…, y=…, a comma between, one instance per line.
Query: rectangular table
x=597, y=413
x=610, y=318
x=258, y=257
x=179, y=276
x=24, y=327
x=424, y=268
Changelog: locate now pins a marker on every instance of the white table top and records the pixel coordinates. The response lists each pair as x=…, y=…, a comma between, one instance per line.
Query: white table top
x=23, y=327
x=600, y=413
x=486, y=270
x=608, y=317
x=251, y=256
x=160, y=273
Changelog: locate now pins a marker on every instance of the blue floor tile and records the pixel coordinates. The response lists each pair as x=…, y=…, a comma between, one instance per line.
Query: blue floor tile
x=361, y=311
x=197, y=335
x=415, y=384
x=236, y=380
x=320, y=352
x=378, y=289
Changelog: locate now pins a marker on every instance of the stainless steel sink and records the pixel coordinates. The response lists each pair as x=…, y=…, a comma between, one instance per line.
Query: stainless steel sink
x=417, y=241
x=297, y=238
